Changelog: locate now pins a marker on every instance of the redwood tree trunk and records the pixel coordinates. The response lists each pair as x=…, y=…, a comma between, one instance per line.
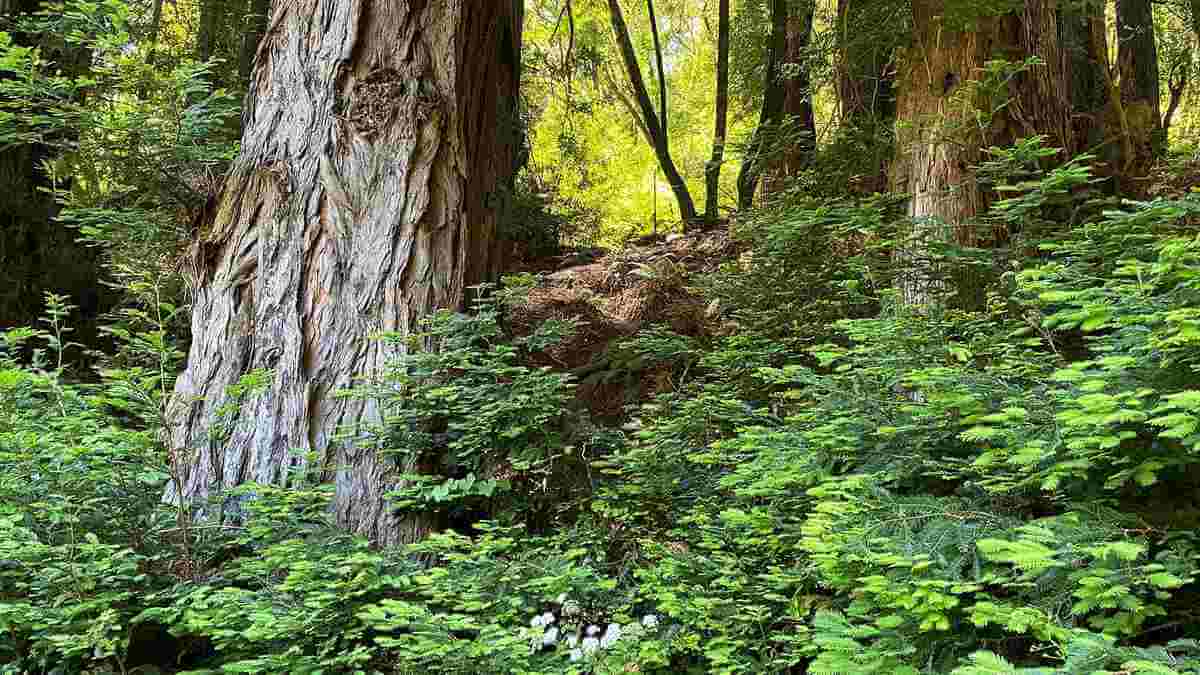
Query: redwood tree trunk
x=378, y=150
x=797, y=113
x=939, y=139
x=1137, y=60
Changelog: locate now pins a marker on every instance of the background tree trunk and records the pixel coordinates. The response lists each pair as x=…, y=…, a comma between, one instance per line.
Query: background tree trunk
x=662, y=150
x=1085, y=78
x=37, y=253
x=1137, y=62
x=662, y=74
x=712, y=172
x=257, y=13
x=868, y=38
x=798, y=122
x=212, y=25
x=771, y=113
x=378, y=151
x=865, y=81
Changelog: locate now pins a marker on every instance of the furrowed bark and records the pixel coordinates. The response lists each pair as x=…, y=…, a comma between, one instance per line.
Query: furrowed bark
x=377, y=153
x=940, y=141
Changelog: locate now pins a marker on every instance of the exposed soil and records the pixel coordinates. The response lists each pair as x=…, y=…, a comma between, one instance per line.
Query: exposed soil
x=613, y=295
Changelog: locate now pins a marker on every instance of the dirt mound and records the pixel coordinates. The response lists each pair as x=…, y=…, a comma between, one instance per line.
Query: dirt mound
x=612, y=296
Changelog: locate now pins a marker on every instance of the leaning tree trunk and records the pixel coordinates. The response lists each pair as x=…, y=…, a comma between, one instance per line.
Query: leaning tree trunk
x=939, y=139
x=656, y=128
x=378, y=150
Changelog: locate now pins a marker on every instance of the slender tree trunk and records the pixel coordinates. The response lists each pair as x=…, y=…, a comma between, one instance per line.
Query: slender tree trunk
x=687, y=208
x=757, y=152
x=712, y=171
x=1180, y=75
x=940, y=140
x=798, y=121
x=378, y=151
x=155, y=28
x=1177, y=82
x=662, y=74
x=1137, y=61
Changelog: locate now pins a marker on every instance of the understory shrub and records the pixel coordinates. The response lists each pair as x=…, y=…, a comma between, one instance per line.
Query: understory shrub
x=1008, y=487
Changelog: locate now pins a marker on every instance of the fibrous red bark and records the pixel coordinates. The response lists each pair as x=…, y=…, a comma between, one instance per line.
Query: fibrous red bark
x=940, y=137
x=378, y=147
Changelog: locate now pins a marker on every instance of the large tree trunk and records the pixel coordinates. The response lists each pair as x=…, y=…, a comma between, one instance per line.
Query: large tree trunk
x=939, y=139
x=1137, y=61
x=378, y=151
x=712, y=171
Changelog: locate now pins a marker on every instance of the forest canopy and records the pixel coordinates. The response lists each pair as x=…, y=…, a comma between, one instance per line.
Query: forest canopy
x=600, y=336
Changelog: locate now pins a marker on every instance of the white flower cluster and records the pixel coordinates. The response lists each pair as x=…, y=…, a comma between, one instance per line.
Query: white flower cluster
x=583, y=641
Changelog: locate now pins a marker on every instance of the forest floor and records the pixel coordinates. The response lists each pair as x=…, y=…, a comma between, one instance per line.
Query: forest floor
x=612, y=295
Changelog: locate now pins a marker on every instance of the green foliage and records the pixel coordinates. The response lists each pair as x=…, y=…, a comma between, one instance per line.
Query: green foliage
x=132, y=151
x=838, y=484
x=935, y=485
x=788, y=284
x=466, y=417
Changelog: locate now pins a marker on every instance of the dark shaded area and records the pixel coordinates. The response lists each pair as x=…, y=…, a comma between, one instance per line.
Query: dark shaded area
x=37, y=254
